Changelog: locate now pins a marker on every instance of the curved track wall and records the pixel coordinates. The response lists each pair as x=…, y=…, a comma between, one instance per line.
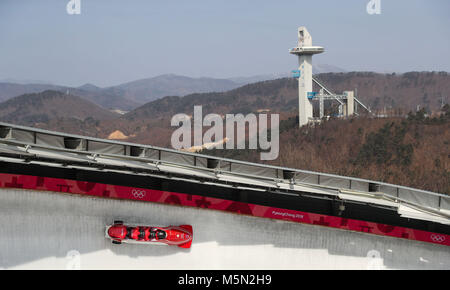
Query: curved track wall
x=167, y=197
x=43, y=229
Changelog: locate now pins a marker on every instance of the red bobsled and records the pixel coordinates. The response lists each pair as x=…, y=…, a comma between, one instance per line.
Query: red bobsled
x=180, y=236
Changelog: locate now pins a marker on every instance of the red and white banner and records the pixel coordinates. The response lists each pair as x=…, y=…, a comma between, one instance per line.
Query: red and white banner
x=150, y=195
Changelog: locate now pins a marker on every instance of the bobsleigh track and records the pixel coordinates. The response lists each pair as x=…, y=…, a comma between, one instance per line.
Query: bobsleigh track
x=58, y=192
x=47, y=230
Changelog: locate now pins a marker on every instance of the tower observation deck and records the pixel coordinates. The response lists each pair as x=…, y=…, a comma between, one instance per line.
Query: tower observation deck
x=305, y=50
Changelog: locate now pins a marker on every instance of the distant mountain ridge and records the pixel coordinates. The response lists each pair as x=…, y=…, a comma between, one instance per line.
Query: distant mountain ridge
x=317, y=69
x=391, y=91
x=46, y=106
x=130, y=95
x=98, y=97
x=89, y=87
x=9, y=90
x=378, y=91
x=150, y=89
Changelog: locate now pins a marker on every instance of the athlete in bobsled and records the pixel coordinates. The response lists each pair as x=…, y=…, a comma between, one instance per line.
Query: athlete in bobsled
x=180, y=236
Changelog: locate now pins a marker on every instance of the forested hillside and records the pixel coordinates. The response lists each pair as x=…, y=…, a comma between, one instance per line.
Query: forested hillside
x=412, y=151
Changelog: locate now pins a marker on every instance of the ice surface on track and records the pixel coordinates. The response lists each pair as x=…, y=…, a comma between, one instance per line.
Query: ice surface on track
x=58, y=231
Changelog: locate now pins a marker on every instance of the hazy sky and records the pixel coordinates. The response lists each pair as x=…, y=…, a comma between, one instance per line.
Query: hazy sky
x=114, y=41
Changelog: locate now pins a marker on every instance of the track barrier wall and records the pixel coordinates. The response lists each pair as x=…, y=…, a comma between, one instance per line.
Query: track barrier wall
x=67, y=186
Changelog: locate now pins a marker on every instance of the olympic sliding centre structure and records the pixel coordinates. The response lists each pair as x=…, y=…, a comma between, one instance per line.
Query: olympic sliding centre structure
x=65, y=165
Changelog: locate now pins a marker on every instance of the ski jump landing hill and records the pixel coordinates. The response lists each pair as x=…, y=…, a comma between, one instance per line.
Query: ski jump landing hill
x=59, y=191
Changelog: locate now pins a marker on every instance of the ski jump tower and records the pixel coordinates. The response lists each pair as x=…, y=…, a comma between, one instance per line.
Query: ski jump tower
x=305, y=51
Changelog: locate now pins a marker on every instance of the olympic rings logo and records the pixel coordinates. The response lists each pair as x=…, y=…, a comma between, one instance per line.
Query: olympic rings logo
x=437, y=238
x=137, y=193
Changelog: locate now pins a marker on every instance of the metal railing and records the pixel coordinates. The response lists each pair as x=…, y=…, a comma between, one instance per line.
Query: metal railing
x=69, y=148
